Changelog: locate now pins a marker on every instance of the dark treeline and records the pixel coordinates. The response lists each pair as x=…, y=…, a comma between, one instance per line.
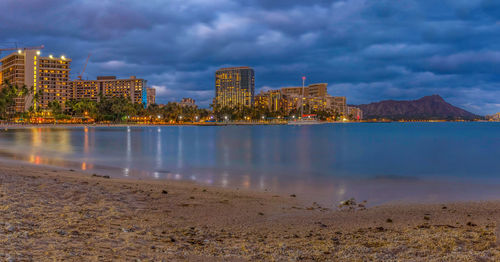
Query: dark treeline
x=256, y=113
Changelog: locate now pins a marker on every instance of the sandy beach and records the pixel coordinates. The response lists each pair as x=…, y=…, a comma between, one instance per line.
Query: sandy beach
x=56, y=214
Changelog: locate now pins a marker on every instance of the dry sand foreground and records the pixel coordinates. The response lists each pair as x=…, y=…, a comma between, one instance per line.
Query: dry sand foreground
x=50, y=214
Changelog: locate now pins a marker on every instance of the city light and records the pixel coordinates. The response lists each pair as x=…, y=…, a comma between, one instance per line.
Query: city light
x=159, y=116
x=38, y=52
x=51, y=56
x=19, y=51
x=63, y=57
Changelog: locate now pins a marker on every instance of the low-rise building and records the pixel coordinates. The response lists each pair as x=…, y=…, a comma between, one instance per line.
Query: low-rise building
x=354, y=113
x=187, y=102
x=494, y=117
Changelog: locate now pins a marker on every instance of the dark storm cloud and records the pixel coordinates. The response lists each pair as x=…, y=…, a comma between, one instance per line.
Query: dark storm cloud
x=366, y=50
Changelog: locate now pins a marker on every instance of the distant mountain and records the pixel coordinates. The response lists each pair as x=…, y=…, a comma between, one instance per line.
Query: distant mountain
x=427, y=107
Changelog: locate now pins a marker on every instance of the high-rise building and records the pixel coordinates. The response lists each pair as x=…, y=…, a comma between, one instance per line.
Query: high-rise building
x=337, y=104
x=271, y=100
x=47, y=77
x=108, y=86
x=151, y=96
x=234, y=86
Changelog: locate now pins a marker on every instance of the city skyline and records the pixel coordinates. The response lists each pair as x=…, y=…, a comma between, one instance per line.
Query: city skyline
x=362, y=49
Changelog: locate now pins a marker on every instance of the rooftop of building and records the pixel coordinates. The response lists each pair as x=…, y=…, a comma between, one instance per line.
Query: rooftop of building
x=109, y=78
x=234, y=68
x=37, y=52
x=310, y=85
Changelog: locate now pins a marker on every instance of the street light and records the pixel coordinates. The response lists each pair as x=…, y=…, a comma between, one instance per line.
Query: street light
x=159, y=116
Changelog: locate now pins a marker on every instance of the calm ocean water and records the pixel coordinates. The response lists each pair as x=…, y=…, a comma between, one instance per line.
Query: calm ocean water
x=380, y=162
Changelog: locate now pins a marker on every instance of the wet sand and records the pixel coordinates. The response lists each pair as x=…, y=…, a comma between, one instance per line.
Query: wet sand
x=60, y=214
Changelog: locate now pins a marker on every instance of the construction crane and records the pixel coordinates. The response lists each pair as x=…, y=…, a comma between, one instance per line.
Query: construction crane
x=84, y=67
x=22, y=48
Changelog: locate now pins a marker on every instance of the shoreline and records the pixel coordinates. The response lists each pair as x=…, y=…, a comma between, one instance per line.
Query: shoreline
x=50, y=213
x=20, y=126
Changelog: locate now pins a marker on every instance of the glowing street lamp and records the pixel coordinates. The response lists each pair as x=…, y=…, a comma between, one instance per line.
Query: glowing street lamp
x=159, y=116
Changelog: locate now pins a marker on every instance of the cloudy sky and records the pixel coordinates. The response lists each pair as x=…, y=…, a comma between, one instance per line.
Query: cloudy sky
x=367, y=50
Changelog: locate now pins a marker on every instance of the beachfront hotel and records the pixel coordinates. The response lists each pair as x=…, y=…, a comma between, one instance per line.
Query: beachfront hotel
x=315, y=97
x=272, y=100
x=234, y=86
x=109, y=86
x=48, y=77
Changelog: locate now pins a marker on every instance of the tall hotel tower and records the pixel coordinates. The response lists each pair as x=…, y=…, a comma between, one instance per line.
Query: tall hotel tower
x=234, y=86
x=48, y=77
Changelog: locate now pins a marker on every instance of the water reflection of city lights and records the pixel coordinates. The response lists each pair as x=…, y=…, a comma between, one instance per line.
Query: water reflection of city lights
x=193, y=177
x=246, y=181
x=178, y=176
x=84, y=166
x=341, y=191
x=126, y=171
x=225, y=181
x=156, y=174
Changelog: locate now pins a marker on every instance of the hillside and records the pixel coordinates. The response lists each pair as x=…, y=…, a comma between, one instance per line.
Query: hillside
x=428, y=107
